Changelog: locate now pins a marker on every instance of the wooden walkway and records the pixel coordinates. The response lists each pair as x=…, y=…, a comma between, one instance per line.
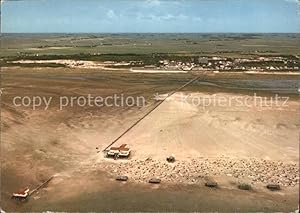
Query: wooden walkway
x=40, y=186
x=148, y=113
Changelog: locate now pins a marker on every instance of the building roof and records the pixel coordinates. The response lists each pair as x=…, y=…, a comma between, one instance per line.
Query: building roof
x=22, y=192
x=120, y=148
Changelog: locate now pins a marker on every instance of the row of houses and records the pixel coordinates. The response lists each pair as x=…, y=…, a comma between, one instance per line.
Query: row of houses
x=218, y=63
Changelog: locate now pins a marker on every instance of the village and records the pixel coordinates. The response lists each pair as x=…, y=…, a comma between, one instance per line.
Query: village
x=229, y=64
x=274, y=64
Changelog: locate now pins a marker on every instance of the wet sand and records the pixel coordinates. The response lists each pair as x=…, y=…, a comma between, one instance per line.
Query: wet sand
x=99, y=192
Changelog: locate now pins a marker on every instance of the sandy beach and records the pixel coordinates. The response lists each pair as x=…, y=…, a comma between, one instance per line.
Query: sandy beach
x=214, y=141
x=229, y=143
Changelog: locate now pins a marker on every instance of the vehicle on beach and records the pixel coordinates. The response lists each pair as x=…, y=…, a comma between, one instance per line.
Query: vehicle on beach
x=155, y=181
x=122, y=178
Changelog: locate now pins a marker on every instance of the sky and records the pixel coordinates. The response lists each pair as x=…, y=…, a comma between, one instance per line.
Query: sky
x=150, y=16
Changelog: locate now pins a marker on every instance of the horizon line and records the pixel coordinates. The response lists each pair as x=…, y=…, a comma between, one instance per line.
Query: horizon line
x=149, y=32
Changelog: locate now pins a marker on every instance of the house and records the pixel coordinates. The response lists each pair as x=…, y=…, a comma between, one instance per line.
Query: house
x=21, y=194
x=121, y=151
x=203, y=60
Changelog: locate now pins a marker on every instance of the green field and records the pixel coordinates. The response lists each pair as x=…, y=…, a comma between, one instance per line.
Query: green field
x=200, y=44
